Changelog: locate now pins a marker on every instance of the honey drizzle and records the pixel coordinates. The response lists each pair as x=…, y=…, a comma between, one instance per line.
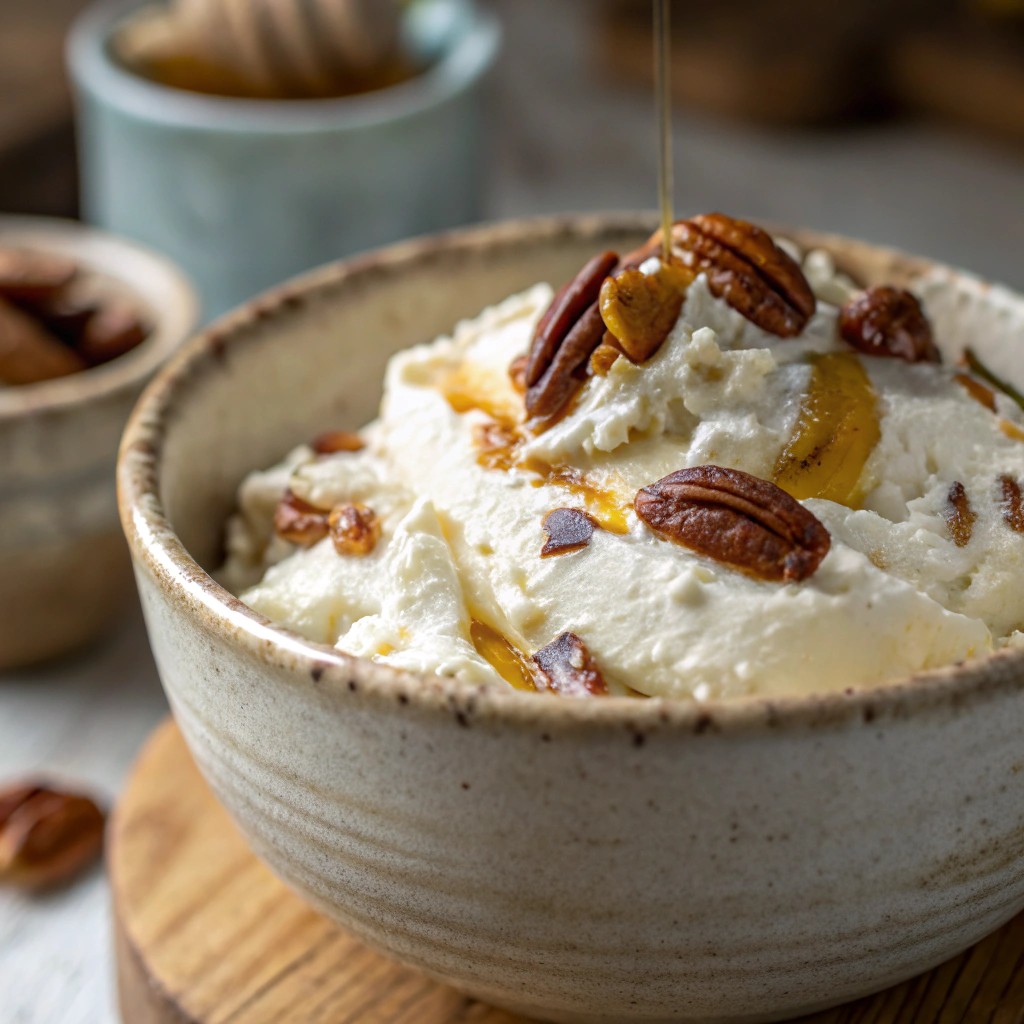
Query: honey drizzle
x=503, y=656
x=663, y=87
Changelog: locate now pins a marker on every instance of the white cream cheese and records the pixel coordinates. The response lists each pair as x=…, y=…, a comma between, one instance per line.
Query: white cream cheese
x=461, y=542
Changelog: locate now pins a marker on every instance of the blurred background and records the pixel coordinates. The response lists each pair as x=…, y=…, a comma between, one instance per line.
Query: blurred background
x=899, y=122
x=902, y=123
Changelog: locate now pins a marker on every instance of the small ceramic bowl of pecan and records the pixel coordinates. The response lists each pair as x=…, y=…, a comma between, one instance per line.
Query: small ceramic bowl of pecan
x=653, y=653
x=85, y=320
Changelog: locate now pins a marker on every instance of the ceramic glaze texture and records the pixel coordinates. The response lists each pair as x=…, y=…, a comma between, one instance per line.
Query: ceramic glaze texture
x=611, y=860
x=64, y=570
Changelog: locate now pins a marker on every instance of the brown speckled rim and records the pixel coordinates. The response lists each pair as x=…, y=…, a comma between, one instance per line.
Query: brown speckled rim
x=160, y=553
x=173, y=320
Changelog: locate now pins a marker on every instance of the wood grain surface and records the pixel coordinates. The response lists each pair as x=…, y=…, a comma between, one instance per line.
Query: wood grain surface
x=206, y=935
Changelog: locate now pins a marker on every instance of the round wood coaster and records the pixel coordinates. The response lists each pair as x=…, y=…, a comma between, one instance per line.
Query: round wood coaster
x=205, y=934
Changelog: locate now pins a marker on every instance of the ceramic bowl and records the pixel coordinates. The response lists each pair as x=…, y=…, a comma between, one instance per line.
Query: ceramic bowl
x=589, y=861
x=245, y=193
x=65, y=575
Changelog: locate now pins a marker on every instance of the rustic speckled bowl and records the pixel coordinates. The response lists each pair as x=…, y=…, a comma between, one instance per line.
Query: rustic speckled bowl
x=607, y=860
x=65, y=576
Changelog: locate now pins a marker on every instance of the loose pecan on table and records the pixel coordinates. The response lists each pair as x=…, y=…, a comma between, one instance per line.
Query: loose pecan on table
x=568, y=529
x=1013, y=504
x=355, y=529
x=299, y=522
x=888, y=322
x=735, y=518
x=748, y=270
x=566, y=667
x=959, y=515
x=46, y=837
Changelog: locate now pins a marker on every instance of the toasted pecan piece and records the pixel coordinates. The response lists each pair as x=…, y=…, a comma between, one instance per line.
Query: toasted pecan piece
x=568, y=529
x=1013, y=504
x=566, y=667
x=299, y=522
x=355, y=529
x=641, y=309
x=748, y=270
x=738, y=519
x=959, y=515
x=888, y=322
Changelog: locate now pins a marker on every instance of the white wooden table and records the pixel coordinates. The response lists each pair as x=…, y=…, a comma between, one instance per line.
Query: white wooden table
x=562, y=141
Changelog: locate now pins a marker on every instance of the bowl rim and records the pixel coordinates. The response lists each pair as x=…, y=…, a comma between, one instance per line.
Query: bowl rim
x=157, y=549
x=95, y=71
x=175, y=320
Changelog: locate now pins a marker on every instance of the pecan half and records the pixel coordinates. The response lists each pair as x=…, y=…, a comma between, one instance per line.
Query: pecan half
x=888, y=322
x=568, y=529
x=748, y=270
x=564, y=312
x=299, y=522
x=735, y=518
x=355, y=529
x=959, y=515
x=334, y=441
x=557, y=363
x=46, y=837
x=1013, y=506
x=566, y=667
x=33, y=276
x=29, y=354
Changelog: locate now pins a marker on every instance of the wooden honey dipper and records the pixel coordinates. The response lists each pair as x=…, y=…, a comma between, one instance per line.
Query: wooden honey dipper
x=269, y=48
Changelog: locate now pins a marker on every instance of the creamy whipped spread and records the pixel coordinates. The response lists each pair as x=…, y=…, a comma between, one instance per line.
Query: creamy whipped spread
x=909, y=471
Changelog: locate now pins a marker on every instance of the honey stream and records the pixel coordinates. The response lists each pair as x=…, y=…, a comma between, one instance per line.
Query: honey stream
x=663, y=87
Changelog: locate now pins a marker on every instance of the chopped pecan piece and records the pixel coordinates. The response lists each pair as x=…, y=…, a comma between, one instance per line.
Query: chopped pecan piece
x=355, y=529
x=299, y=522
x=959, y=515
x=568, y=529
x=33, y=276
x=334, y=441
x=566, y=667
x=735, y=518
x=1013, y=506
x=888, y=322
x=640, y=309
x=748, y=270
x=603, y=357
x=46, y=837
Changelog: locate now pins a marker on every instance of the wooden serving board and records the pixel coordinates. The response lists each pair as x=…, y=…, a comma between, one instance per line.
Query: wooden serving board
x=206, y=935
